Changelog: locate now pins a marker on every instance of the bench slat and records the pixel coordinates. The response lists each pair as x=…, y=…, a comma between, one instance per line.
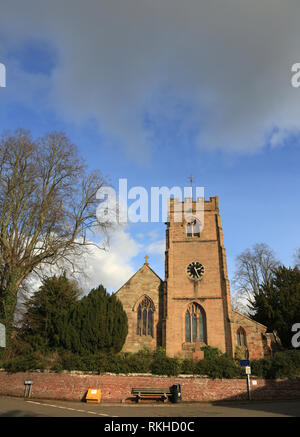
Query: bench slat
x=148, y=392
x=167, y=391
x=150, y=388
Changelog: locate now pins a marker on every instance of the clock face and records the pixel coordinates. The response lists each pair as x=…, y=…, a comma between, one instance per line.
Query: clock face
x=195, y=270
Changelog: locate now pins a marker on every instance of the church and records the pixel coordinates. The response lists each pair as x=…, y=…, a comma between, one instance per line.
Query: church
x=191, y=307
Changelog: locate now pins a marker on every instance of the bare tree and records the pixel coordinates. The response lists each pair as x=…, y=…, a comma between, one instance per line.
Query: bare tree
x=47, y=204
x=253, y=267
x=239, y=304
x=297, y=258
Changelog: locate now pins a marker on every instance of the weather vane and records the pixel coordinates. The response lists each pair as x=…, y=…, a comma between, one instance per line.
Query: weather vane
x=191, y=178
x=191, y=181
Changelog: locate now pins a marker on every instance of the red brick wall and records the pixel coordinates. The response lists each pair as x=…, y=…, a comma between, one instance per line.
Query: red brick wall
x=114, y=388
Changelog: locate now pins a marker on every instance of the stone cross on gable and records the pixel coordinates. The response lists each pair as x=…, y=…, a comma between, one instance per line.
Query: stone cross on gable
x=146, y=259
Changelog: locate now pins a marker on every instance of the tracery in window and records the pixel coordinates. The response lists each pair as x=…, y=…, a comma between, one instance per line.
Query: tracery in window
x=241, y=337
x=195, y=324
x=145, y=317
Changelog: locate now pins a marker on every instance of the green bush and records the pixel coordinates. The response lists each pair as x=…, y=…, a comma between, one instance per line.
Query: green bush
x=22, y=364
x=86, y=363
x=211, y=352
x=221, y=367
x=138, y=363
x=163, y=365
x=285, y=364
x=261, y=368
x=101, y=363
x=76, y=362
x=218, y=365
x=188, y=367
x=146, y=352
x=57, y=367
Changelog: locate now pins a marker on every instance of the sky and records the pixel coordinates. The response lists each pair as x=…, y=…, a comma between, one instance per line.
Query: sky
x=156, y=91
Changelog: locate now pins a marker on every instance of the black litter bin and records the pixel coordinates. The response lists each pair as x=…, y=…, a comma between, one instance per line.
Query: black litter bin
x=176, y=393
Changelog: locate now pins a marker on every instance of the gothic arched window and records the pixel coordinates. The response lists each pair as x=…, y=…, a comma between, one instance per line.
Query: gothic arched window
x=145, y=317
x=193, y=227
x=241, y=337
x=195, y=324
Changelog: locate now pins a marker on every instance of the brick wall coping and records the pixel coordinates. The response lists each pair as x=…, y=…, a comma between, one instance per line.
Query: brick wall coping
x=81, y=372
x=141, y=375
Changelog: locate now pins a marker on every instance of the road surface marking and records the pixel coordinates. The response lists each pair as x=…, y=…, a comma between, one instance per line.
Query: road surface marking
x=68, y=408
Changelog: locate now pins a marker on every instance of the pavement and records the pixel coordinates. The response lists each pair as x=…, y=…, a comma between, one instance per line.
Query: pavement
x=19, y=407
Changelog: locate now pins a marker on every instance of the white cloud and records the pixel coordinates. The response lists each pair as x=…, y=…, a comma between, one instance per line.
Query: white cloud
x=229, y=62
x=153, y=234
x=111, y=267
x=157, y=247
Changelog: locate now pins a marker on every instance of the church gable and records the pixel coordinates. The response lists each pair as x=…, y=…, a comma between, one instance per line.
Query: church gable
x=248, y=334
x=140, y=297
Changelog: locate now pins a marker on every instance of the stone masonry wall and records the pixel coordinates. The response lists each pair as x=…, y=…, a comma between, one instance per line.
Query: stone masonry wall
x=144, y=283
x=255, y=334
x=211, y=292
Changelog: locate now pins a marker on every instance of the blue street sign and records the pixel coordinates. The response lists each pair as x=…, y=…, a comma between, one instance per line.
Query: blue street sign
x=244, y=363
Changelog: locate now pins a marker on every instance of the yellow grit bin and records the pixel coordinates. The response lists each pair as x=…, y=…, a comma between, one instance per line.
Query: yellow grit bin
x=93, y=395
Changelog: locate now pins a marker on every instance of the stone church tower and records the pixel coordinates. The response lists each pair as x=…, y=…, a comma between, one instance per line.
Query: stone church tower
x=198, y=302
x=191, y=308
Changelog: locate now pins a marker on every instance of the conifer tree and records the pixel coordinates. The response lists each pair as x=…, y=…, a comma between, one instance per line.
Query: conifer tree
x=277, y=305
x=46, y=309
x=97, y=323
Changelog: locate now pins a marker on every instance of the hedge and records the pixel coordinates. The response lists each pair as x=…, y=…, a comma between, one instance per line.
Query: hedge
x=285, y=364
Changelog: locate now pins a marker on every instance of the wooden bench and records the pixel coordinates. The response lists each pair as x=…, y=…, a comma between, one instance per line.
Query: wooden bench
x=151, y=392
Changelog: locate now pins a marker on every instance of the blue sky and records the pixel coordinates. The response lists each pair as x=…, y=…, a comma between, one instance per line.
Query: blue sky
x=161, y=93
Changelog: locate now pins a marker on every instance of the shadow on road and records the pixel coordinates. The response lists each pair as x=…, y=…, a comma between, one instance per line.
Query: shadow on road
x=278, y=397
x=18, y=413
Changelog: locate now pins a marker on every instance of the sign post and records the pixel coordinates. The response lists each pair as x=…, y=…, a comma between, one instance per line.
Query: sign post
x=246, y=364
x=248, y=373
x=28, y=385
x=2, y=335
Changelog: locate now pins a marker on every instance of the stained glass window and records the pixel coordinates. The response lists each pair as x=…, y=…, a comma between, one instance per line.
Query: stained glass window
x=241, y=337
x=195, y=325
x=201, y=327
x=145, y=317
x=187, y=327
x=139, y=321
x=150, y=322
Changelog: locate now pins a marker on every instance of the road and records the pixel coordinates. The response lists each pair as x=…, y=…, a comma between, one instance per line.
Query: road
x=19, y=407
